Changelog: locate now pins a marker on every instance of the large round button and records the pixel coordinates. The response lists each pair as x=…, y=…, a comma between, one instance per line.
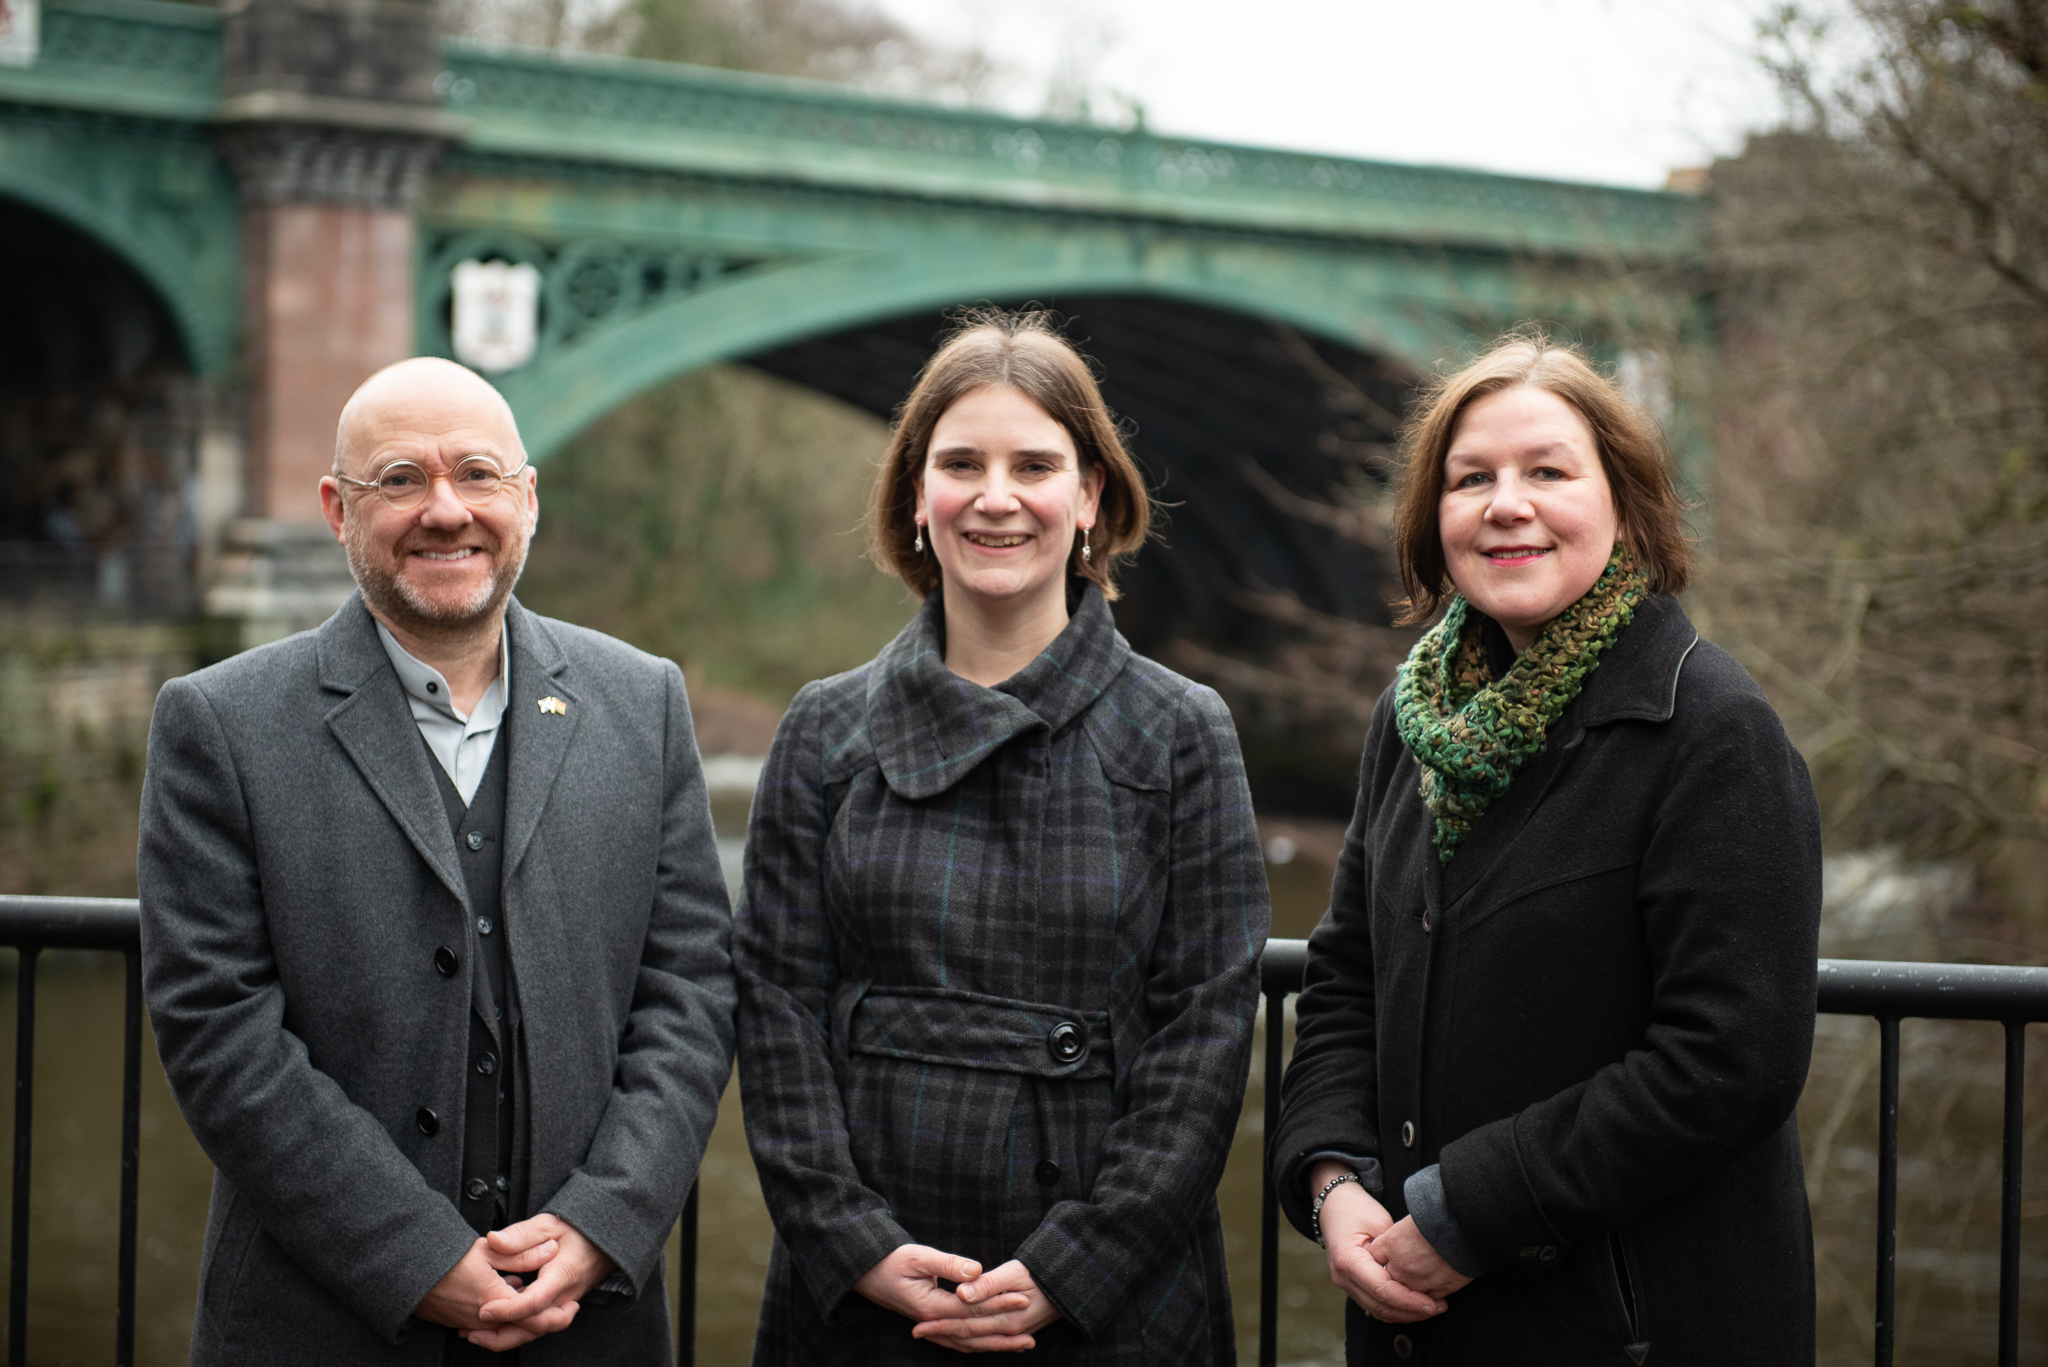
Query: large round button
x=429, y=1123
x=475, y=840
x=1404, y=1347
x=478, y=1189
x=1066, y=1042
x=1048, y=1173
x=1407, y=1134
x=445, y=960
x=487, y=1064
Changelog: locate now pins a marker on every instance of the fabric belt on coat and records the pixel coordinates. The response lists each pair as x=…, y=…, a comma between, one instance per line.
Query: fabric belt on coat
x=492, y=1191
x=973, y=1030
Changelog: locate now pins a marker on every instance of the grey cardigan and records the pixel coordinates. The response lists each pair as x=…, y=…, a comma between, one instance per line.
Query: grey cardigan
x=299, y=880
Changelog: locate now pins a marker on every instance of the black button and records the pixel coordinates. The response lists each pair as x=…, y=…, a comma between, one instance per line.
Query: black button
x=1048, y=1173
x=1425, y=915
x=484, y=926
x=429, y=1123
x=433, y=687
x=445, y=960
x=1407, y=1134
x=475, y=840
x=487, y=1064
x=1404, y=1347
x=1066, y=1043
x=1548, y=1255
x=478, y=1189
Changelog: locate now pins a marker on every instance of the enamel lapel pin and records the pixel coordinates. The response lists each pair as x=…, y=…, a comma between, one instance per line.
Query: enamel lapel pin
x=554, y=705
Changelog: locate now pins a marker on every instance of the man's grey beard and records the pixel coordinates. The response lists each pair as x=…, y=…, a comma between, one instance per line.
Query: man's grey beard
x=390, y=596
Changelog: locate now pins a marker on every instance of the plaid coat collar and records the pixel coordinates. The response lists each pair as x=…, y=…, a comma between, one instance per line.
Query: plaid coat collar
x=931, y=728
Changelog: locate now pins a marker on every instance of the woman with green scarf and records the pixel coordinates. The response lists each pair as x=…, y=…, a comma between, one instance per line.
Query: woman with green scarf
x=1557, y=1020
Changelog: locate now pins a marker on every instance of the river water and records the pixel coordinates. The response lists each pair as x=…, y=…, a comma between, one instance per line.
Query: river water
x=1949, y=1172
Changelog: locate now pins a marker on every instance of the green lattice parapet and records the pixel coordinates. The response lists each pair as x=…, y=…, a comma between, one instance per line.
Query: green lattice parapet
x=587, y=109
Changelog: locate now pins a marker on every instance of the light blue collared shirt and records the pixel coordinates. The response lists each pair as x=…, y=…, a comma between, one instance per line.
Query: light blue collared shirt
x=462, y=744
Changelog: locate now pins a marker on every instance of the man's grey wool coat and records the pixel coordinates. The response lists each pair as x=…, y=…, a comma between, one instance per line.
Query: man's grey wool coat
x=939, y=877
x=299, y=878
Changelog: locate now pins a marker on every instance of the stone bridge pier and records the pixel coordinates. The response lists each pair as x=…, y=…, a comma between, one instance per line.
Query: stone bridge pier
x=330, y=120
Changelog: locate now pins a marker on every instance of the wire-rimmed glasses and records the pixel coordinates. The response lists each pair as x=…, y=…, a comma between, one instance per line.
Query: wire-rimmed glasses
x=404, y=483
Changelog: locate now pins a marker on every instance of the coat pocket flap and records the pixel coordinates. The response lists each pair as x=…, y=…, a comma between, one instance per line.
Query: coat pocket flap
x=971, y=1030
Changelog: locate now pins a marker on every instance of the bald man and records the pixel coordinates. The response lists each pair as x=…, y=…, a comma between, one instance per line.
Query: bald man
x=434, y=937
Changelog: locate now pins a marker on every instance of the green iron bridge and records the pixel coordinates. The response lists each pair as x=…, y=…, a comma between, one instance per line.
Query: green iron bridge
x=189, y=186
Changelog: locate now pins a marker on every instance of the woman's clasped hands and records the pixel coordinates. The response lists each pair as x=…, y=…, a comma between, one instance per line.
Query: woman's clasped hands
x=994, y=1313
x=1386, y=1266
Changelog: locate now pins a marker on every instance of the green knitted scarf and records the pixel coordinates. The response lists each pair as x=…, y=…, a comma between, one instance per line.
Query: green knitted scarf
x=1469, y=731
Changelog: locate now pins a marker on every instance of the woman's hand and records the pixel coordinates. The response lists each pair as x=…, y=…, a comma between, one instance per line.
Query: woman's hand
x=1352, y=1220
x=1411, y=1260
x=977, y=1328
x=907, y=1281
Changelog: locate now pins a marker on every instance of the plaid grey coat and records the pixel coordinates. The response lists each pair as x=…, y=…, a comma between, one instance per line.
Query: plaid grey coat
x=938, y=877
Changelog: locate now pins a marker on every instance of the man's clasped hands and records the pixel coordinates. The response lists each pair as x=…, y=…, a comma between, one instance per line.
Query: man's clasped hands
x=1386, y=1266
x=488, y=1297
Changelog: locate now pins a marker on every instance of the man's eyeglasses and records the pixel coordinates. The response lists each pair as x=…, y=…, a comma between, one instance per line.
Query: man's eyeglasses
x=404, y=483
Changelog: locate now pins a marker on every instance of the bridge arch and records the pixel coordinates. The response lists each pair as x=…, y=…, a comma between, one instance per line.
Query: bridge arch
x=777, y=304
x=169, y=218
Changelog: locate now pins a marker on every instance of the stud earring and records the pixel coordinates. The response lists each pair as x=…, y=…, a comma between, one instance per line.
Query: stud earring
x=1086, y=553
x=918, y=545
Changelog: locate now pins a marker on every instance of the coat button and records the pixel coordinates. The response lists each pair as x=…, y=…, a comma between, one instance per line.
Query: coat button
x=445, y=960
x=1048, y=1173
x=504, y=1182
x=1404, y=1347
x=429, y=1123
x=475, y=840
x=1425, y=923
x=487, y=1064
x=1066, y=1043
x=478, y=1189
x=484, y=926
x=1548, y=1255
x=1407, y=1134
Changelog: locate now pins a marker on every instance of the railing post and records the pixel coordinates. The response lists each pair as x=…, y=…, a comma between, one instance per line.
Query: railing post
x=1269, y=1205
x=131, y=1163
x=24, y=1111
x=2009, y=1195
x=1887, y=1187
x=686, y=1284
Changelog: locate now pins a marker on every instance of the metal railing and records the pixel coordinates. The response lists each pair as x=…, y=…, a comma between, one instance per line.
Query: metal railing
x=34, y=924
x=1882, y=989
x=1886, y=991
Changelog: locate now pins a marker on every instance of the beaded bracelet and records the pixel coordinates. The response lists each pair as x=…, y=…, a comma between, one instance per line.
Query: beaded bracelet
x=1315, y=1210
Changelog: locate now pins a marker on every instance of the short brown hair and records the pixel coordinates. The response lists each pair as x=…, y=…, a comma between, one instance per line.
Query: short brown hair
x=1022, y=349
x=1648, y=511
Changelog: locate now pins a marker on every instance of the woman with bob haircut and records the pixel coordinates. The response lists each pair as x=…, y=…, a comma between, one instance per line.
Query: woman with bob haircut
x=1557, y=1019
x=1003, y=909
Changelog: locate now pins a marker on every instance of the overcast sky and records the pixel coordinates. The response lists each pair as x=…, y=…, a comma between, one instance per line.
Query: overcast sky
x=1617, y=91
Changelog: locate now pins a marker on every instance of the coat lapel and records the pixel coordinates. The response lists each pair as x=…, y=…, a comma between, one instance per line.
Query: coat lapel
x=1636, y=680
x=374, y=725
x=540, y=739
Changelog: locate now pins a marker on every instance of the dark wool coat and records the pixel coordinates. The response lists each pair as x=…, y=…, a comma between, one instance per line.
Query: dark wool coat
x=1596, y=1018
x=304, y=914
x=938, y=877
